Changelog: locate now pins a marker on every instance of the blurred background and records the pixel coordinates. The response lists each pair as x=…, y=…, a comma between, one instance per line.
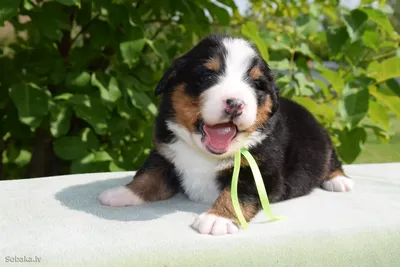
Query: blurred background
x=77, y=76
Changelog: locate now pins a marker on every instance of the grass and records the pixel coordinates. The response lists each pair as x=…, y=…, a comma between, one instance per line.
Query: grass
x=376, y=152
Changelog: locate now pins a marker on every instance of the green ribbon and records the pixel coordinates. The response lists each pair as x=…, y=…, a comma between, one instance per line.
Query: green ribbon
x=262, y=193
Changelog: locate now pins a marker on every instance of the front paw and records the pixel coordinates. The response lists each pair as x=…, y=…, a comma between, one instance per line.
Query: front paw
x=207, y=223
x=119, y=197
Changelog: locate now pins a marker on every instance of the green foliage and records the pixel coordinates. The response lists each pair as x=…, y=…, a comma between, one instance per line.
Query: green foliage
x=77, y=81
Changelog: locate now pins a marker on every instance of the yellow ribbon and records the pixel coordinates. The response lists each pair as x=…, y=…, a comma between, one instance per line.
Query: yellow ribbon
x=262, y=193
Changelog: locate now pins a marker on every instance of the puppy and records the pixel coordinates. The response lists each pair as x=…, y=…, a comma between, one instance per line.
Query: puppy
x=217, y=98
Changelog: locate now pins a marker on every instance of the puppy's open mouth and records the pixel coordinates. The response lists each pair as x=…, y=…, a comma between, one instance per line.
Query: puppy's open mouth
x=218, y=137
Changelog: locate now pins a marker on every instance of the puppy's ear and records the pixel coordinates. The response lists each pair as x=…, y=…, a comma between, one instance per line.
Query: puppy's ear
x=275, y=99
x=270, y=86
x=170, y=77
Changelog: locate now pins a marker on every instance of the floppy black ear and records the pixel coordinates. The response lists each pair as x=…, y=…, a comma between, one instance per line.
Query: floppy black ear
x=275, y=98
x=170, y=77
x=166, y=81
x=270, y=86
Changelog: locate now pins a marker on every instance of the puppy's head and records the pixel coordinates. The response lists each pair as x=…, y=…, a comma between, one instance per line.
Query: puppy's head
x=222, y=93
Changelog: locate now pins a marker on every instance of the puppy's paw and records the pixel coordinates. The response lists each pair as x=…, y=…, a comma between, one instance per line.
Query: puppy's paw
x=338, y=184
x=207, y=223
x=119, y=197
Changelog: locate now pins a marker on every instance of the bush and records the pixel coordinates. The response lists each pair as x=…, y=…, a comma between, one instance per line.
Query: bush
x=77, y=78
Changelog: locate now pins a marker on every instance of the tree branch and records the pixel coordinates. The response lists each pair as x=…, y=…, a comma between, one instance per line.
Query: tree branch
x=386, y=54
x=84, y=29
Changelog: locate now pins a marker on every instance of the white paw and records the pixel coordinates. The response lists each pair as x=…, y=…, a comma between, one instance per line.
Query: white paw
x=119, y=197
x=338, y=184
x=207, y=223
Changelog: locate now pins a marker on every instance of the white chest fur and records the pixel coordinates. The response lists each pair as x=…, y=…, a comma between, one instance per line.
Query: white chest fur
x=198, y=172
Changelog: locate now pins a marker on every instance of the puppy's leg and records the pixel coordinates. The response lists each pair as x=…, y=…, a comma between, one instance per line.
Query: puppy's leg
x=336, y=180
x=221, y=218
x=155, y=180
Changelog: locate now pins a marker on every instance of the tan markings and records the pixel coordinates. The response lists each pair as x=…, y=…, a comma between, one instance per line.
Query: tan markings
x=186, y=108
x=223, y=207
x=256, y=73
x=262, y=115
x=213, y=63
x=335, y=173
x=244, y=162
x=327, y=163
x=150, y=186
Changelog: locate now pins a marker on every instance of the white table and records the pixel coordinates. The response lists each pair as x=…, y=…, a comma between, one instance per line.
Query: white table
x=60, y=220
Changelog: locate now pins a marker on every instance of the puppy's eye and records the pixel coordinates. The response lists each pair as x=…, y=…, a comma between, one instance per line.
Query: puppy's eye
x=207, y=73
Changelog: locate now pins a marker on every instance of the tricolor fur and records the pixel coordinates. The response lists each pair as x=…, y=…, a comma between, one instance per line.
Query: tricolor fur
x=217, y=98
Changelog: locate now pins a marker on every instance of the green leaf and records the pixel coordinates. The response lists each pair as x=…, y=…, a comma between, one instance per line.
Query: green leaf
x=353, y=52
x=279, y=65
x=219, y=14
x=90, y=139
x=353, y=105
x=315, y=10
x=108, y=86
x=379, y=18
x=351, y=144
x=8, y=9
x=336, y=38
x=60, y=119
x=142, y=101
x=113, y=167
x=84, y=14
x=32, y=103
x=367, y=2
x=229, y=3
x=378, y=114
x=371, y=39
x=304, y=87
x=12, y=152
x=130, y=51
x=281, y=42
x=150, y=43
x=100, y=34
x=394, y=85
x=316, y=108
x=98, y=161
x=92, y=110
x=390, y=68
x=324, y=87
x=118, y=15
x=355, y=23
x=69, y=2
x=250, y=30
x=306, y=25
x=69, y=148
x=305, y=50
x=334, y=78
x=388, y=98
x=50, y=19
x=78, y=81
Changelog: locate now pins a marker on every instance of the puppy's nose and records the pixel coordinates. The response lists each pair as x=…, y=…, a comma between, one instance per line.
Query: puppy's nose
x=234, y=106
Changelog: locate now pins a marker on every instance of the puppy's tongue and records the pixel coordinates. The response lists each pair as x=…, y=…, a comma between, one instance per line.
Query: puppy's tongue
x=219, y=136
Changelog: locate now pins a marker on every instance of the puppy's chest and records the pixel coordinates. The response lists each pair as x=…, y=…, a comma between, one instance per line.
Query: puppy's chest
x=198, y=174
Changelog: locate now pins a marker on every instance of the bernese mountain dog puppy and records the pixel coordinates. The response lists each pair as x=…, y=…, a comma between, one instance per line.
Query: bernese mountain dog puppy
x=217, y=98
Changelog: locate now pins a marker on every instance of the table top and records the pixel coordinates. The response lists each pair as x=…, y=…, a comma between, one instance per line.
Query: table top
x=59, y=220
